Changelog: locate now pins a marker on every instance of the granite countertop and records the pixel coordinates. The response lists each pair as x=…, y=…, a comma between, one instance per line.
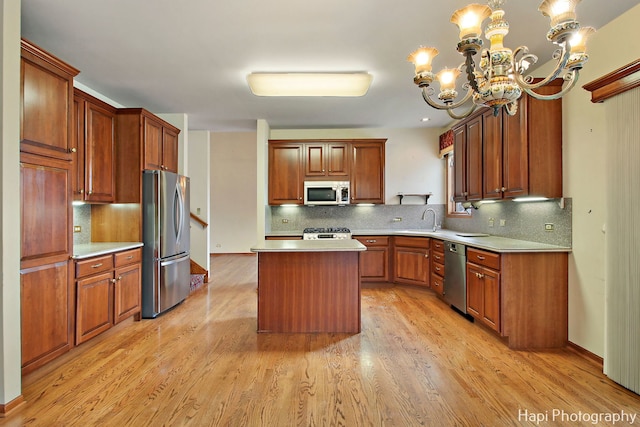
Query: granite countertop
x=88, y=250
x=308, y=246
x=487, y=242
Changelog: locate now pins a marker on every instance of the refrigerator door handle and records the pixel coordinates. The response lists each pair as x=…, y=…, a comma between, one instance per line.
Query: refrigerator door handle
x=173, y=260
x=178, y=209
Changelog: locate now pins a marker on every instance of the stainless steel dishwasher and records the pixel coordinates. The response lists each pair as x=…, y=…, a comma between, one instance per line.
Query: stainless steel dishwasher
x=455, y=275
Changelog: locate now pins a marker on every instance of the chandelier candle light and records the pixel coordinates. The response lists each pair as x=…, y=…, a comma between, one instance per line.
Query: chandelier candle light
x=499, y=79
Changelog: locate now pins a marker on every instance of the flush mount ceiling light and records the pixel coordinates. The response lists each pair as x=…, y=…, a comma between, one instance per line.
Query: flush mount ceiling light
x=500, y=77
x=309, y=84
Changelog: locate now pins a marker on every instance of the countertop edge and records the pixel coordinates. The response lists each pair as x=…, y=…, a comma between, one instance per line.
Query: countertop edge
x=89, y=250
x=308, y=246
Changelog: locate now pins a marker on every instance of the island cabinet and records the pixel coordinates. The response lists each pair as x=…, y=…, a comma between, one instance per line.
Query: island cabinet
x=326, y=160
x=437, y=266
x=374, y=262
x=108, y=290
x=94, y=142
x=411, y=260
x=286, y=173
x=46, y=297
x=143, y=141
x=522, y=296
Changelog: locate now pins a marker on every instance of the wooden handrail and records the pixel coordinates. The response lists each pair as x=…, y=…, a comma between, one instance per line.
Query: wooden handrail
x=198, y=220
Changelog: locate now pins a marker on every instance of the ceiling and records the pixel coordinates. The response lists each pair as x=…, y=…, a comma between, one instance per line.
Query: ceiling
x=193, y=56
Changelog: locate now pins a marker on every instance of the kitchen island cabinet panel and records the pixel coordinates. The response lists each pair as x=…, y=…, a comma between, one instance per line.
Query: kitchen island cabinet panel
x=308, y=292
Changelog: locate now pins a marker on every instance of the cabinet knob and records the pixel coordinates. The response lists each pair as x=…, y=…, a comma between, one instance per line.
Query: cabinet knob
x=81, y=191
x=497, y=190
x=426, y=255
x=504, y=189
x=72, y=150
x=371, y=241
x=113, y=281
x=479, y=275
x=90, y=193
x=119, y=278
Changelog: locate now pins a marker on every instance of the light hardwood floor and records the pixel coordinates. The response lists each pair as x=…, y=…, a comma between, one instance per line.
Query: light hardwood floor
x=415, y=363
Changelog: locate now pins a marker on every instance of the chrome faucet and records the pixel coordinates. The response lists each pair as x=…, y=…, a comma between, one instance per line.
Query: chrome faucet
x=435, y=217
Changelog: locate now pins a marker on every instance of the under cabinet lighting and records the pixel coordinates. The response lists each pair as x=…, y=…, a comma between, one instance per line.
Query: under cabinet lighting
x=530, y=199
x=309, y=84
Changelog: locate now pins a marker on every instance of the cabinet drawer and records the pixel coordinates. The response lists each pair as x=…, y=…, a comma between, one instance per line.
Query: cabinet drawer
x=484, y=258
x=95, y=265
x=437, y=245
x=438, y=269
x=128, y=257
x=437, y=284
x=373, y=240
x=413, y=242
x=437, y=256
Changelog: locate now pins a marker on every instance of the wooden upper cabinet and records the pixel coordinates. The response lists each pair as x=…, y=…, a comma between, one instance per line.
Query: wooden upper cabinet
x=46, y=89
x=143, y=141
x=467, y=166
x=94, y=178
x=367, y=171
x=326, y=160
x=285, y=173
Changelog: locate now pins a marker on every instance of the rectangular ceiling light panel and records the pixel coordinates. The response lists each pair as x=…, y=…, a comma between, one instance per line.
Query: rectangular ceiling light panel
x=309, y=84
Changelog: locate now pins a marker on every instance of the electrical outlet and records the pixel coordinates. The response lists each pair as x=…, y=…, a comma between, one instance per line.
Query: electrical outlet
x=548, y=226
x=198, y=211
x=77, y=229
x=491, y=222
x=503, y=222
x=218, y=245
x=285, y=221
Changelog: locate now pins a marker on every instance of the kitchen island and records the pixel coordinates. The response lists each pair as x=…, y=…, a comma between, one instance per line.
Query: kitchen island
x=308, y=286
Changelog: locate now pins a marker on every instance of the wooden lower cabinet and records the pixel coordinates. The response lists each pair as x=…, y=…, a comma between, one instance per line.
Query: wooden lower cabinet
x=46, y=320
x=411, y=261
x=483, y=295
x=374, y=262
x=108, y=290
x=437, y=266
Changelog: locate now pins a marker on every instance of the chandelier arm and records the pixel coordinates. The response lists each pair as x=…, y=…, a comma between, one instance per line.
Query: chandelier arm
x=523, y=81
x=448, y=106
x=462, y=116
x=571, y=77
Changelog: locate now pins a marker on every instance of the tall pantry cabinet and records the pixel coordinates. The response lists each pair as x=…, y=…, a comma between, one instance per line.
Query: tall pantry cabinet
x=46, y=126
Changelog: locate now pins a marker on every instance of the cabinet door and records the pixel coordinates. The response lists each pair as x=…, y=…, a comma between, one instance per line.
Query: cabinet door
x=374, y=264
x=46, y=96
x=100, y=185
x=367, y=173
x=475, y=291
x=45, y=189
x=77, y=150
x=127, y=291
x=492, y=149
x=412, y=266
x=315, y=157
x=338, y=160
x=285, y=174
x=94, y=306
x=152, y=141
x=515, y=149
x=491, y=301
x=46, y=314
x=460, y=163
x=169, y=150
x=474, y=159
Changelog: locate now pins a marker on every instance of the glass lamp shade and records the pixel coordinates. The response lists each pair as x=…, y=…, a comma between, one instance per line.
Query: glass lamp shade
x=578, y=41
x=447, y=78
x=469, y=19
x=422, y=57
x=559, y=11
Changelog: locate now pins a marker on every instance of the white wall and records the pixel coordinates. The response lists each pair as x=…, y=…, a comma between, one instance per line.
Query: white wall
x=233, y=192
x=411, y=164
x=200, y=179
x=10, y=357
x=584, y=132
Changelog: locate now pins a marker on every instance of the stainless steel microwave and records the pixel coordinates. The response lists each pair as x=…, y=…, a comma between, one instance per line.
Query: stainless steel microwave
x=326, y=192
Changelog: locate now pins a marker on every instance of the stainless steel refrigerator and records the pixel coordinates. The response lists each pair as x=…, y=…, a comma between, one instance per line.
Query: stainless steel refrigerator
x=165, y=231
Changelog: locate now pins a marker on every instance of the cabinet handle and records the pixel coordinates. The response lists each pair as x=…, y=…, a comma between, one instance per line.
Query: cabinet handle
x=504, y=189
x=119, y=278
x=437, y=257
x=130, y=257
x=90, y=193
x=426, y=255
x=371, y=241
x=479, y=275
x=437, y=268
x=481, y=258
x=497, y=190
x=113, y=281
x=96, y=265
x=81, y=190
x=72, y=150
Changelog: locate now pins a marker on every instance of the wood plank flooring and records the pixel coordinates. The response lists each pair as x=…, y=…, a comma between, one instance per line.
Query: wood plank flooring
x=415, y=363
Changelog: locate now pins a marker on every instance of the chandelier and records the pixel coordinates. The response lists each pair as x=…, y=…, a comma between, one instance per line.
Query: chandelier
x=500, y=77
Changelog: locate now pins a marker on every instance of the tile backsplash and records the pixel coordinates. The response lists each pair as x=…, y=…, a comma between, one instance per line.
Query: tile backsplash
x=524, y=221
x=82, y=218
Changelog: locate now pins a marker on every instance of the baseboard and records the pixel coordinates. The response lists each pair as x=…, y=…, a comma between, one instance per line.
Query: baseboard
x=586, y=353
x=6, y=408
x=233, y=253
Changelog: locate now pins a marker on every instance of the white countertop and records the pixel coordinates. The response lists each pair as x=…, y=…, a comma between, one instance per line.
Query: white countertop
x=308, y=246
x=490, y=243
x=88, y=250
